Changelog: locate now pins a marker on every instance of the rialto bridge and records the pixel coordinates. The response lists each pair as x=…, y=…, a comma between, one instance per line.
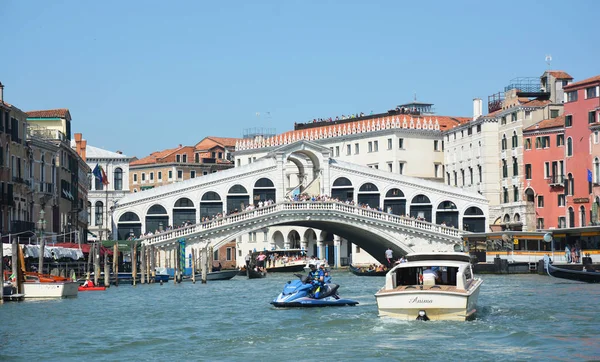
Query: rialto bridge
x=416, y=214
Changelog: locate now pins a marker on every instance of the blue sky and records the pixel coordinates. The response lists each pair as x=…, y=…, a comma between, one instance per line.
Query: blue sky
x=142, y=76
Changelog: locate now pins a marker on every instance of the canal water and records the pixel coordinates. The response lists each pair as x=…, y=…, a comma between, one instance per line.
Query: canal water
x=520, y=317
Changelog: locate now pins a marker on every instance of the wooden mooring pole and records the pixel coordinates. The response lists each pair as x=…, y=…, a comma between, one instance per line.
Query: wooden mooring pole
x=142, y=264
x=106, y=270
x=116, y=263
x=204, y=263
x=96, y=248
x=193, y=266
x=134, y=262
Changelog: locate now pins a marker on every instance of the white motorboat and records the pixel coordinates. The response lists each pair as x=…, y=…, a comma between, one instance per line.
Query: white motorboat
x=430, y=286
x=48, y=287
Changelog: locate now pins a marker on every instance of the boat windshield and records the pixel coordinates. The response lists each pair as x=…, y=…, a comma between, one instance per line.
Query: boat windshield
x=430, y=275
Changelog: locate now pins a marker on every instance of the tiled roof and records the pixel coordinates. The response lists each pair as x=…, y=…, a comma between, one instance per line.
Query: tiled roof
x=583, y=82
x=154, y=156
x=547, y=123
x=559, y=74
x=211, y=141
x=50, y=113
x=536, y=103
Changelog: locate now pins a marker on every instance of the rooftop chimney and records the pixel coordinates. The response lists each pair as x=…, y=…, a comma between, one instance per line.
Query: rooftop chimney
x=78, y=144
x=477, y=108
x=83, y=150
x=1, y=92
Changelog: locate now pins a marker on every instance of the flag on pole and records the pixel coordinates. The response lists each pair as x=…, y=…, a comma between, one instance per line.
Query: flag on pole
x=589, y=175
x=97, y=173
x=103, y=177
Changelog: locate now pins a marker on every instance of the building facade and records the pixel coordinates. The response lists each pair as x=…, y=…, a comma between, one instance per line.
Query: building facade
x=102, y=198
x=69, y=216
x=582, y=102
x=543, y=156
x=210, y=155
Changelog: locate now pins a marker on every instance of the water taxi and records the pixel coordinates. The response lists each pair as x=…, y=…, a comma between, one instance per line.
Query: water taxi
x=430, y=286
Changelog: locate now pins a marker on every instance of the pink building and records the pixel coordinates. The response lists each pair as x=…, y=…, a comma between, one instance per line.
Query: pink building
x=582, y=103
x=543, y=157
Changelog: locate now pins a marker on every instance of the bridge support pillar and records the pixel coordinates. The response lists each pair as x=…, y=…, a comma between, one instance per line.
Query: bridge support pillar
x=320, y=249
x=337, y=242
x=304, y=245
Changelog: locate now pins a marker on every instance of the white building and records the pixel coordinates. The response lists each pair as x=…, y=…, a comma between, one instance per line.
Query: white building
x=407, y=142
x=102, y=198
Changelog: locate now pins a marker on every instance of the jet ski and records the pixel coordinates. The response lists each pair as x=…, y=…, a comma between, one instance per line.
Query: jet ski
x=297, y=293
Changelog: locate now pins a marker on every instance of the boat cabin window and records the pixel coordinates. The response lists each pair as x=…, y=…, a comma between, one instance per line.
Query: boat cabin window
x=414, y=276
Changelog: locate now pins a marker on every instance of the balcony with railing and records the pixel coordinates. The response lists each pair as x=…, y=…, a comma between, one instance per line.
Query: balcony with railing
x=556, y=180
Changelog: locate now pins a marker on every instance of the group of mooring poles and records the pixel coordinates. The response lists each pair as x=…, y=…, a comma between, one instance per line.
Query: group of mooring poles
x=173, y=256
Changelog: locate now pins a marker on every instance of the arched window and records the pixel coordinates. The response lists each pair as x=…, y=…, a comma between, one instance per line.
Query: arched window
x=504, y=143
x=118, y=178
x=569, y=147
x=515, y=140
x=99, y=213
x=581, y=215
x=342, y=181
x=597, y=170
x=570, y=185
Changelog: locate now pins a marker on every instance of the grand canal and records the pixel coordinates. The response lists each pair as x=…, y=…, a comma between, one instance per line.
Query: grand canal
x=520, y=317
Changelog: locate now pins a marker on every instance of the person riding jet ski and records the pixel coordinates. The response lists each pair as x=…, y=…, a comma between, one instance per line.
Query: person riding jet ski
x=317, y=278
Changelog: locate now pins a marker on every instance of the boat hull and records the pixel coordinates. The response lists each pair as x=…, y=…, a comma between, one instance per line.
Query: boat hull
x=287, y=268
x=90, y=289
x=50, y=290
x=439, y=305
x=314, y=303
x=252, y=274
x=221, y=275
x=580, y=276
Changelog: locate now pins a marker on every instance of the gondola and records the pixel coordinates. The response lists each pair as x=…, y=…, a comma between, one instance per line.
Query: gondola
x=357, y=271
x=253, y=274
x=581, y=276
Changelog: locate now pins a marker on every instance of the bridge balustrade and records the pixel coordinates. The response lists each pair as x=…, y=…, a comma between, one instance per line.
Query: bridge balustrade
x=172, y=235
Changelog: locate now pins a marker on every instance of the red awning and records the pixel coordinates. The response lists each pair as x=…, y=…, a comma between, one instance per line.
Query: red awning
x=85, y=248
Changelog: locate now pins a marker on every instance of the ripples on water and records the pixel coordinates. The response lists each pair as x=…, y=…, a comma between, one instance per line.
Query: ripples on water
x=520, y=317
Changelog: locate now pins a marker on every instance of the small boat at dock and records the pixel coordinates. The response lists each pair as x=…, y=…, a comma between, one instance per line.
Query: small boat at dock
x=587, y=276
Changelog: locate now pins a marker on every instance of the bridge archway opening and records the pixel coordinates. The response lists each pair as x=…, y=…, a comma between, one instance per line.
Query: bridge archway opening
x=293, y=239
x=278, y=240
x=474, y=220
x=210, y=205
x=264, y=190
x=184, y=212
x=342, y=189
x=420, y=208
x=129, y=223
x=447, y=213
x=237, y=199
x=157, y=218
x=368, y=194
x=395, y=202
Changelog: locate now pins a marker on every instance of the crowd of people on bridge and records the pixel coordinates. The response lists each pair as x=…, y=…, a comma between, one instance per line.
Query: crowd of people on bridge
x=301, y=198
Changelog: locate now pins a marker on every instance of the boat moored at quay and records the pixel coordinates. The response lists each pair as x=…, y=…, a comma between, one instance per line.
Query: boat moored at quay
x=430, y=286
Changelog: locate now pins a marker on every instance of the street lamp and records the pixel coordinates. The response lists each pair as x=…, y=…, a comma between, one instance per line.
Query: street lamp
x=41, y=226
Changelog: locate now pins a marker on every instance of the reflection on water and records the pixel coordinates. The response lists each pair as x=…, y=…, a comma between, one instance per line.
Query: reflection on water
x=519, y=317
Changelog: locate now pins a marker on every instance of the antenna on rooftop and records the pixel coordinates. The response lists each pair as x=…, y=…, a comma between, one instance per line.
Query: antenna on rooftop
x=548, y=60
x=415, y=96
